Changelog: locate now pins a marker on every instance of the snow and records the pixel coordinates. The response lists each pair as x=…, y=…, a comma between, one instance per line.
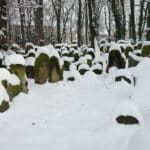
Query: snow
x=14, y=59
x=4, y=74
x=114, y=46
x=3, y=94
x=73, y=73
x=127, y=108
x=14, y=80
x=31, y=51
x=42, y=50
x=30, y=61
x=29, y=44
x=54, y=53
x=135, y=57
x=69, y=59
x=142, y=94
x=50, y=47
x=146, y=43
x=84, y=66
x=97, y=66
x=78, y=115
x=143, y=69
x=123, y=72
x=11, y=78
x=83, y=59
x=1, y=56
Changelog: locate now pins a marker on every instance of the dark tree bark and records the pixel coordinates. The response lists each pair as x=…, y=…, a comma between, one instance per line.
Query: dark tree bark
x=124, y=17
x=133, y=28
x=86, y=23
x=118, y=19
x=141, y=20
x=79, y=23
x=3, y=24
x=22, y=21
x=148, y=22
x=57, y=8
x=39, y=22
x=92, y=21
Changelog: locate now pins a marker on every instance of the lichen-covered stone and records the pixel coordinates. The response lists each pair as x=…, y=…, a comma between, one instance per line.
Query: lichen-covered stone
x=127, y=120
x=4, y=106
x=132, y=62
x=97, y=71
x=12, y=91
x=55, y=71
x=30, y=72
x=66, y=65
x=146, y=51
x=115, y=60
x=28, y=46
x=127, y=50
x=119, y=78
x=83, y=71
x=41, y=69
x=71, y=79
x=20, y=72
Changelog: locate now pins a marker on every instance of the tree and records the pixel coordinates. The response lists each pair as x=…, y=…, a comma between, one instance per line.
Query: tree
x=3, y=24
x=39, y=21
x=57, y=4
x=66, y=15
x=22, y=20
x=148, y=22
x=79, y=26
x=123, y=18
x=92, y=21
x=116, y=9
x=132, y=19
x=141, y=20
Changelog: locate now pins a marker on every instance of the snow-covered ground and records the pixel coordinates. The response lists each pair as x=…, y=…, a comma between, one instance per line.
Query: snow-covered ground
x=74, y=116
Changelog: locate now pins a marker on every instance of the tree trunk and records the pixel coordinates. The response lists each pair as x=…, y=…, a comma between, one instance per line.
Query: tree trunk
x=39, y=22
x=124, y=18
x=79, y=26
x=132, y=3
x=118, y=19
x=92, y=21
x=141, y=19
x=22, y=21
x=86, y=23
x=148, y=22
x=3, y=24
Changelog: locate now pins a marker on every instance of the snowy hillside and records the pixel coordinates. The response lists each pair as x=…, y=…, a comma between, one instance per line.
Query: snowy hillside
x=76, y=115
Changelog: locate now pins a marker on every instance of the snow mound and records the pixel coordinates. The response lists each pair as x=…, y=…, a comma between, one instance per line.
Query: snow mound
x=135, y=57
x=97, y=66
x=50, y=47
x=54, y=53
x=143, y=69
x=30, y=61
x=14, y=80
x=14, y=59
x=123, y=72
x=42, y=50
x=114, y=46
x=84, y=66
x=11, y=78
x=69, y=59
x=127, y=108
x=3, y=94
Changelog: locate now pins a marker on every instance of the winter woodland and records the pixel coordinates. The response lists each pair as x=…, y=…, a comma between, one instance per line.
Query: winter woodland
x=74, y=74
